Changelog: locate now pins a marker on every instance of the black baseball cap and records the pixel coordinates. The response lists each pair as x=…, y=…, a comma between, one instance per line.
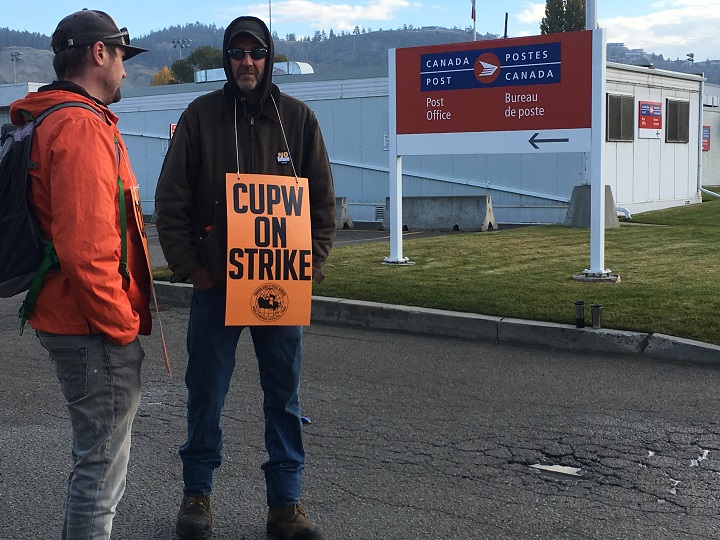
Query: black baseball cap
x=87, y=27
x=248, y=27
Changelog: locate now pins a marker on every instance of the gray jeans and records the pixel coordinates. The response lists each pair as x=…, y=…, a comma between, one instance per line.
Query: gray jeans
x=101, y=385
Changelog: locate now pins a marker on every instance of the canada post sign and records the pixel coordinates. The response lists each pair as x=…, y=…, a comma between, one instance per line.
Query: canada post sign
x=540, y=82
x=509, y=66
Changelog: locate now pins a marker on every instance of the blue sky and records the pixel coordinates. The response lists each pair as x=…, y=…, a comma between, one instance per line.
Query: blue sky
x=669, y=27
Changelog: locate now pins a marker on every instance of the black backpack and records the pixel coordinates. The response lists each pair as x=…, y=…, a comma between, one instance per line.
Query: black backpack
x=25, y=256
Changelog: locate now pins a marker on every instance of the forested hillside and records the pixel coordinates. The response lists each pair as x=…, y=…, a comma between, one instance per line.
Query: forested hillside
x=364, y=51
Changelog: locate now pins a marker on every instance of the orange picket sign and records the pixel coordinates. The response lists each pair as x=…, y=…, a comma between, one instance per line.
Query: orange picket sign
x=140, y=221
x=269, y=251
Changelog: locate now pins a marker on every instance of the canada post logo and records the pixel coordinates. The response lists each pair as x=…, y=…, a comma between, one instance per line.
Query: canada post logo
x=650, y=109
x=508, y=66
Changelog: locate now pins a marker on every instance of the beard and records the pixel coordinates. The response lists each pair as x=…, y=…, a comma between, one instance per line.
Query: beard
x=247, y=81
x=116, y=96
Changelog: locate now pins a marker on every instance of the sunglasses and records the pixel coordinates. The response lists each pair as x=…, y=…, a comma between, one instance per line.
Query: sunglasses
x=239, y=54
x=123, y=34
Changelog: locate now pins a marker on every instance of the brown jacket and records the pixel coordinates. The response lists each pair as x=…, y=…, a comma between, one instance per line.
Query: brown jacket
x=190, y=197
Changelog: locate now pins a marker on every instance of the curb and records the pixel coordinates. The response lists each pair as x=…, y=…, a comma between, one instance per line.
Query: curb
x=503, y=330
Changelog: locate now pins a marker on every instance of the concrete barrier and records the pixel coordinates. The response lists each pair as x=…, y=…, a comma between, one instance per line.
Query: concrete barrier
x=578, y=213
x=342, y=214
x=459, y=213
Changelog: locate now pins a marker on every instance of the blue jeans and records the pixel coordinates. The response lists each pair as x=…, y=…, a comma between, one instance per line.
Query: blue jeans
x=101, y=385
x=211, y=350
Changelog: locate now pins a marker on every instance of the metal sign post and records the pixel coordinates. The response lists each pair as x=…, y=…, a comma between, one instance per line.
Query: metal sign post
x=597, y=163
x=396, y=252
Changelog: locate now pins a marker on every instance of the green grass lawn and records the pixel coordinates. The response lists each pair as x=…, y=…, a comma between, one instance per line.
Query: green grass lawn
x=667, y=261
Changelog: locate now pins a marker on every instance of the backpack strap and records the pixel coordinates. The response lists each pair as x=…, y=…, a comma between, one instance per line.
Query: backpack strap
x=51, y=258
x=28, y=305
x=63, y=105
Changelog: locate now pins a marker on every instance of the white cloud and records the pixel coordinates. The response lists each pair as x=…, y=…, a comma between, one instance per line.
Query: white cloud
x=529, y=18
x=677, y=28
x=323, y=15
x=532, y=14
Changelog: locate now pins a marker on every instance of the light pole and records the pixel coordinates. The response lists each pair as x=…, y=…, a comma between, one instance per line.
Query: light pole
x=181, y=43
x=15, y=56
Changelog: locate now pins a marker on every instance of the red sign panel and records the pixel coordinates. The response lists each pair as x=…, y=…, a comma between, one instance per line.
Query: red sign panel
x=534, y=83
x=706, y=138
x=650, y=115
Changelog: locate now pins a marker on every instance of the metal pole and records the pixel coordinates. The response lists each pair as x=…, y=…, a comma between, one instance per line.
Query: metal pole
x=597, y=153
x=395, y=177
x=181, y=43
x=15, y=56
x=590, y=15
x=700, y=133
x=270, y=15
x=474, y=18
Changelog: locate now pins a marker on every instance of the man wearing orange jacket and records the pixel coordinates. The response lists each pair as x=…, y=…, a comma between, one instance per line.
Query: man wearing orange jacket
x=90, y=311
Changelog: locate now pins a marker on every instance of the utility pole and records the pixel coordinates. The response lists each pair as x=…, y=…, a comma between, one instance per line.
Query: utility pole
x=181, y=43
x=15, y=56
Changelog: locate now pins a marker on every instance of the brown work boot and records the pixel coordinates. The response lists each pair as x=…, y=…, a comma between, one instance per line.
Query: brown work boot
x=292, y=523
x=194, y=521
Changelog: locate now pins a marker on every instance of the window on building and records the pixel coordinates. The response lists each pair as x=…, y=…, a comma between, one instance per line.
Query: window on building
x=678, y=121
x=620, y=118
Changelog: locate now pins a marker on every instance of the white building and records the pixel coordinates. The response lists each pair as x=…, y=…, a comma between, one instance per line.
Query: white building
x=646, y=169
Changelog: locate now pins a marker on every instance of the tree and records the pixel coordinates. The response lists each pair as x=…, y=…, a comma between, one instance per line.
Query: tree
x=553, y=21
x=163, y=77
x=183, y=71
x=206, y=57
x=281, y=58
x=291, y=37
x=575, y=15
x=563, y=16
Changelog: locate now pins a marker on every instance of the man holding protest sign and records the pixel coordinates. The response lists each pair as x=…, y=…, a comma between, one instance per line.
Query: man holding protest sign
x=246, y=212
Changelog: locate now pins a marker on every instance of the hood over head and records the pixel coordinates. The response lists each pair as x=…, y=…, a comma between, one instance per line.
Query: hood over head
x=259, y=30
